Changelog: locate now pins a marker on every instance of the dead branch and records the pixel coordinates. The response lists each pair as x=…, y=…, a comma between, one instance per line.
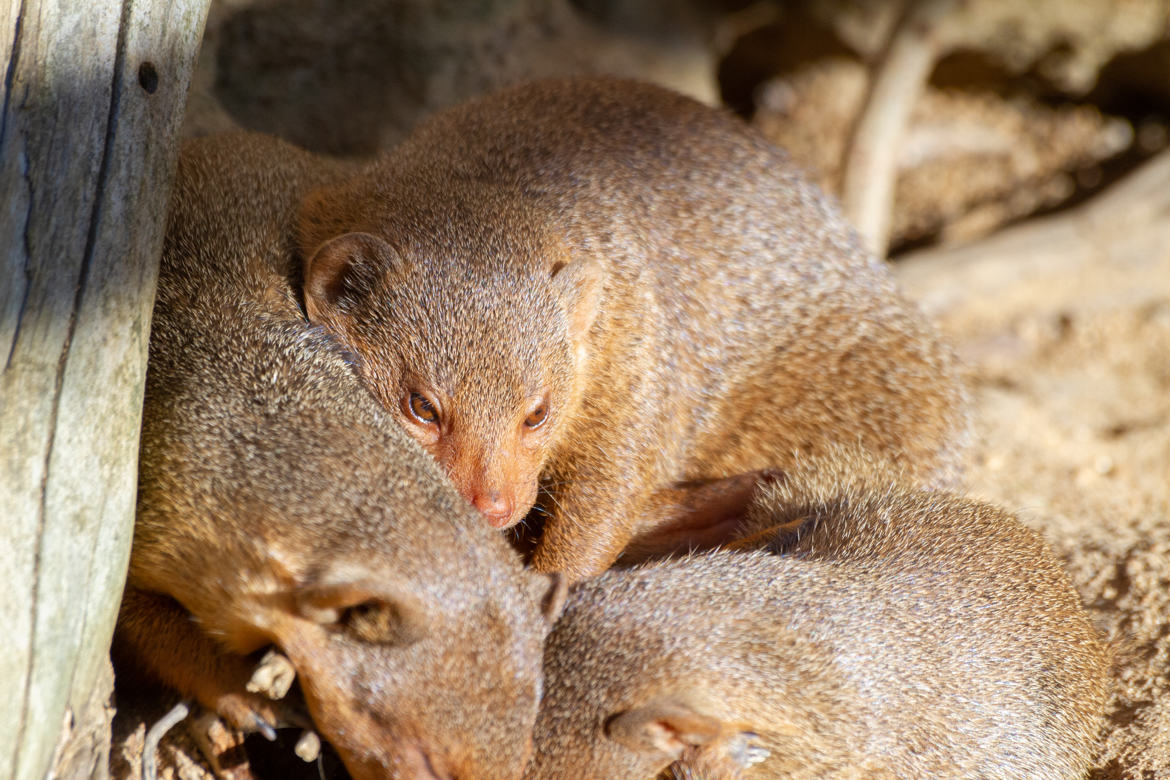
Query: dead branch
x=870, y=171
x=1128, y=226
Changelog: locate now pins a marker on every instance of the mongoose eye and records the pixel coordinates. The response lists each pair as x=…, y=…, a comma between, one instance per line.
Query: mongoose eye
x=376, y=622
x=421, y=409
x=537, y=416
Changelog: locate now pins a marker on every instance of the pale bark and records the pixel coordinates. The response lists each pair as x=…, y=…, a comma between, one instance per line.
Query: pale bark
x=870, y=170
x=1128, y=224
x=90, y=105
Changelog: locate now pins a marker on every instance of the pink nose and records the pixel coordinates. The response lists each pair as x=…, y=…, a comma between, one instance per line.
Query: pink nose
x=494, y=506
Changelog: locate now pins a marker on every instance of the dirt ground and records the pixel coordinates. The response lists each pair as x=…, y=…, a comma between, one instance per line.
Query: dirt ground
x=1069, y=373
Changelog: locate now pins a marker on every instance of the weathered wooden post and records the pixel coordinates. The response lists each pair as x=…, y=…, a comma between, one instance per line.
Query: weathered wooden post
x=90, y=104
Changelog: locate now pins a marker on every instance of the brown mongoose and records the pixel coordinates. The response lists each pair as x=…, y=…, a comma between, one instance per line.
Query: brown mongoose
x=279, y=504
x=892, y=632
x=599, y=289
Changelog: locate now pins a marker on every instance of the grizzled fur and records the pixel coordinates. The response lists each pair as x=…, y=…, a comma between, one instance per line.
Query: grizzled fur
x=683, y=301
x=882, y=631
x=278, y=504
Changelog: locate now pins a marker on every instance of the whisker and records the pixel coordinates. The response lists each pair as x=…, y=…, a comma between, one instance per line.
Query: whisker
x=552, y=497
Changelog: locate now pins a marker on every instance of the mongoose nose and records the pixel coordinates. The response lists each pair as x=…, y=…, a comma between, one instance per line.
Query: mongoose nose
x=495, y=507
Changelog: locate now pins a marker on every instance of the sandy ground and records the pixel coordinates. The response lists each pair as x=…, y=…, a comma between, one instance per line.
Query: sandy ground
x=1070, y=379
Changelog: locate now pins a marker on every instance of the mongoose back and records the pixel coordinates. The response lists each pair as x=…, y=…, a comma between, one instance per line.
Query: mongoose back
x=889, y=632
x=598, y=289
x=278, y=504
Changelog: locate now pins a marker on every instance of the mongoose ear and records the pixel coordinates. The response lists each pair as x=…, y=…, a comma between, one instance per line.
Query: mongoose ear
x=366, y=610
x=665, y=728
x=342, y=267
x=550, y=592
x=578, y=286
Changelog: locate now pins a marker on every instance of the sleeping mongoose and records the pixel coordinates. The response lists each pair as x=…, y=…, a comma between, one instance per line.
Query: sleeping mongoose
x=877, y=630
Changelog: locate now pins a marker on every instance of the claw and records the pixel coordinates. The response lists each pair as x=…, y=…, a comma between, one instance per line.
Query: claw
x=755, y=754
x=264, y=727
x=745, y=752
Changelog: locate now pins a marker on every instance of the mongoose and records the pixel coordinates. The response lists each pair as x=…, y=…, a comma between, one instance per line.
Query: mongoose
x=597, y=289
x=279, y=504
x=884, y=631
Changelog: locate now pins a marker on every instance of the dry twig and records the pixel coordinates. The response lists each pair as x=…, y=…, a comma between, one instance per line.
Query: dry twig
x=870, y=170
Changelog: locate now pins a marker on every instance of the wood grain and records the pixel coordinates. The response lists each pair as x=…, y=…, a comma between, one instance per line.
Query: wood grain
x=91, y=101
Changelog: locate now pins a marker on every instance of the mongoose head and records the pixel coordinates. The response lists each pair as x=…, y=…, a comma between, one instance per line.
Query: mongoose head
x=475, y=348
x=736, y=664
x=410, y=682
x=625, y=696
x=291, y=512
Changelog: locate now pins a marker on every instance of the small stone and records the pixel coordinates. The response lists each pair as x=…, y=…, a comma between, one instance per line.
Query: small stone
x=308, y=747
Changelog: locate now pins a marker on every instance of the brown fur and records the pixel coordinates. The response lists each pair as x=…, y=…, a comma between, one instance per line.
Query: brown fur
x=892, y=632
x=278, y=504
x=684, y=302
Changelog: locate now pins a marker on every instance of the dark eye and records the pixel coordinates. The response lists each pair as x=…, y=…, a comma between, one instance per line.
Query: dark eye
x=376, y=623
x=537, y=416
x=421, y=409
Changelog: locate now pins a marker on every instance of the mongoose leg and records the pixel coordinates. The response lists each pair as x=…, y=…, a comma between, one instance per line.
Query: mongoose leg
x=695, y=516
x=682, y=518
x=222, y=746
x=580, y=539
x=164, y=640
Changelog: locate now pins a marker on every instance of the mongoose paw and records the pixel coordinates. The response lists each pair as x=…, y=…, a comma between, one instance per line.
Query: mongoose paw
x=222, y=746
x=273, y=677
x=249, y=713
